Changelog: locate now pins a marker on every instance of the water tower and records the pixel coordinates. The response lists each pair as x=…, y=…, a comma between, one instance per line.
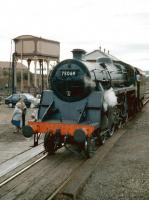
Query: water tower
x=37, y=50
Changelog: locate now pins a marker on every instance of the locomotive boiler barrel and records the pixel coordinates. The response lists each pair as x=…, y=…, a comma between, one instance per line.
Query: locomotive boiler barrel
x=72, y=79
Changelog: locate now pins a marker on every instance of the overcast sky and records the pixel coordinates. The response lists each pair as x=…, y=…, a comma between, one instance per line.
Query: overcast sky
x=120, y=26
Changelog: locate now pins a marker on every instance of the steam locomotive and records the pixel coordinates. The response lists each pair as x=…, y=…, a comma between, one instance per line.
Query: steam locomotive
x=86, y=102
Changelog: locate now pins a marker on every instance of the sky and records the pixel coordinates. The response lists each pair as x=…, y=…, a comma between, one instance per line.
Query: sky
x=120, y=26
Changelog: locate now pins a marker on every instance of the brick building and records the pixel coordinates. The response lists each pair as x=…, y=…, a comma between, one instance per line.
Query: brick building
x=6, y=74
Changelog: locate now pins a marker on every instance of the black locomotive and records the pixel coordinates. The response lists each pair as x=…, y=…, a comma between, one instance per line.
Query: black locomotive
x=86, y=102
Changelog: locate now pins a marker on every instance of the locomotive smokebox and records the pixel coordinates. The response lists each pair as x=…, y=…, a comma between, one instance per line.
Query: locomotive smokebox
x=78, y=54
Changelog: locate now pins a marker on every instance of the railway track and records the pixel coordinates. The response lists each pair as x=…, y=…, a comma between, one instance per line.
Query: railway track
x=13, y=166
x=65, y=175
x=63, y=168
x=72, y=186
x=22, y=170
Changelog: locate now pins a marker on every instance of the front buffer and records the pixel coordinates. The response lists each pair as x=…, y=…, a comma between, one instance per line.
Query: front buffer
x=61, y=134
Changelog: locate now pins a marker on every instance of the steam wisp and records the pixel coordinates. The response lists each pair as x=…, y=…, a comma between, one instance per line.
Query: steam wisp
x=110, y=99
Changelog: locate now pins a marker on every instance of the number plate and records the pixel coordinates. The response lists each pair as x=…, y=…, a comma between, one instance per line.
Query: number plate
x=68, y=73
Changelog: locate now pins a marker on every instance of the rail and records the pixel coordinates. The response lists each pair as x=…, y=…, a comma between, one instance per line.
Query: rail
x=22, y=170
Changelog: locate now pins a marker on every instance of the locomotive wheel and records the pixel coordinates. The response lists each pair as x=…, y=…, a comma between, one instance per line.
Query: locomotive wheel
x=111, y=131
x=49, y=143
x=140, y=105
x=119, y=126
x=102, y=139
x=126, y=119
x=90, y=147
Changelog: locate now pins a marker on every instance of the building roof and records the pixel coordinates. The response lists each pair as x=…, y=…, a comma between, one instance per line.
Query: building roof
x=6, y=65
x=32, y=47
x=96, y=54
x=24, y=37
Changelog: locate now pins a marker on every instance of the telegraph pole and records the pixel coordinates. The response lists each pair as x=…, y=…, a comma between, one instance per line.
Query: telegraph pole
x=13, y=74
x=29, y=78
x=42, y=80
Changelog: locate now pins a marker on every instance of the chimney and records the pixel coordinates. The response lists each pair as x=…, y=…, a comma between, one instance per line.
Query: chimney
x=78, y=54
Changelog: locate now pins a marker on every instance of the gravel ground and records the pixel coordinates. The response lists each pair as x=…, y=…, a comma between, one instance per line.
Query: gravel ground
x=124, y=172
